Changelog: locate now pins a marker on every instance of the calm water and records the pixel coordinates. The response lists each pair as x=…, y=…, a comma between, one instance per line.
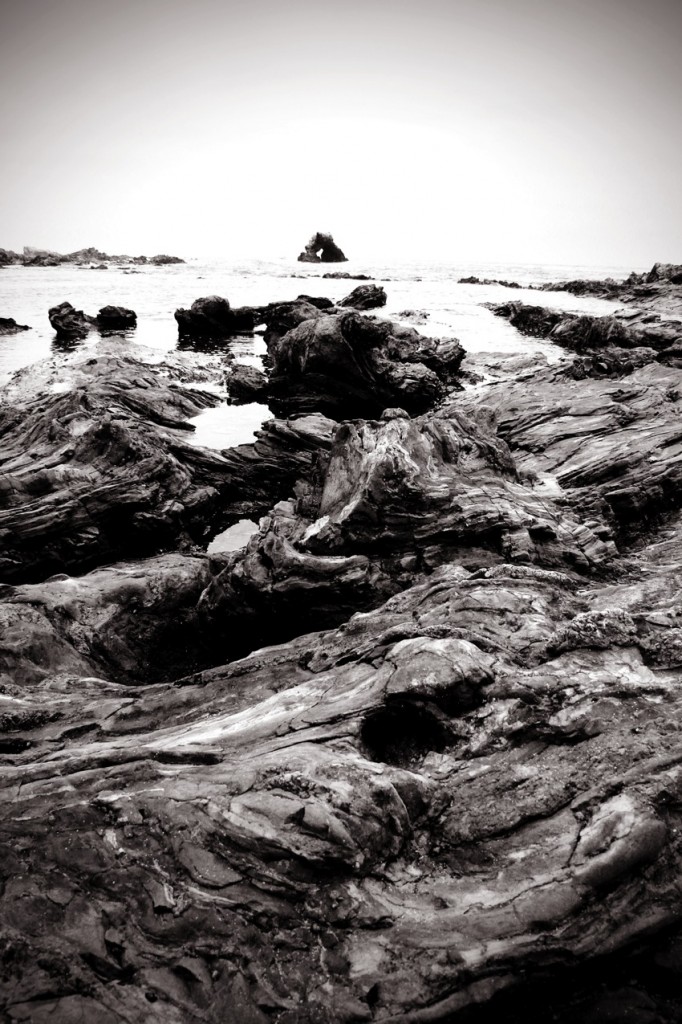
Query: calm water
x=26, y=293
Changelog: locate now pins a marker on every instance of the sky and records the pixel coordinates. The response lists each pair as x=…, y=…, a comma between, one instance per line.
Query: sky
x=526, y=131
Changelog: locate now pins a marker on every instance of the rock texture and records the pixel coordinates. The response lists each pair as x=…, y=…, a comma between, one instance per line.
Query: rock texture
x=116, y=318
x=322, y=249
x=412, y=755
x=69, y=322
x=32, y=257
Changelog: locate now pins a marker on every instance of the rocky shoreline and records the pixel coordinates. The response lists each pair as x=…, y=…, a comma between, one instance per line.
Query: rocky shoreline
x=412, y=753
x=32, y=257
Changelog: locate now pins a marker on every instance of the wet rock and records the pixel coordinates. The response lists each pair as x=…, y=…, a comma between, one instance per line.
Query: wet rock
x=410, y=813
x=344, y=275
x=69, y=322
x=316, y=300
x=9, y=326
x=212, y=316
x=322, y=249
x=488, y=280
x=365, y=296
x=97, y=467
x=116, y=318
x=8, y=257
x=247, y=384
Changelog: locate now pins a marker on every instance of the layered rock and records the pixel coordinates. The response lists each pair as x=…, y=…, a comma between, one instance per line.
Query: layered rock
x=393, y=821
x=397, y=498
x=96, y=467
x=322, y=249
x=212, y=316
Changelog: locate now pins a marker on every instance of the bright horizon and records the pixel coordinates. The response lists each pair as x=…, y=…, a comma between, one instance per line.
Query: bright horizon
x=495, y=131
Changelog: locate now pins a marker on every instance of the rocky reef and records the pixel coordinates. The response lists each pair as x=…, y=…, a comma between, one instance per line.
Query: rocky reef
x=70, y=323
x=322, y=249
x=411, y=754
x=8, y=325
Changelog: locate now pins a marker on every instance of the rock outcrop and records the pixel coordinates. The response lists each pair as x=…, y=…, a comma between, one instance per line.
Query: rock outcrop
x=8, y=325
x=68, y=322
x=365, y=296
x=322, y=249
x=32, y=257
x=213, y=317
x=116, y=318
x=348, y=365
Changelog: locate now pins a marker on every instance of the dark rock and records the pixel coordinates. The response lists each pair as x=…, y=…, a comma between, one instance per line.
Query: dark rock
x=349, y=365
x=41, y=257
x=344, y=275
x=316, y=300
x=212, y=316
x=8, y=257
x=247, y=384
x=489, y=280
x=365, y=296
x=9, y=326
x=163, y=260
x=322, y=249
x=82, y=257
x=116, y=318
x=69, y=322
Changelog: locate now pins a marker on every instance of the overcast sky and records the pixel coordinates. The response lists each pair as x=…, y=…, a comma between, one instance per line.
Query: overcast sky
x=522, y=130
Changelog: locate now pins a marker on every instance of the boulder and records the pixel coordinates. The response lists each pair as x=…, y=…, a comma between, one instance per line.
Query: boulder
x=212, y=316
x=365, y=296
x=116, y=318
x=347, y=365
x=246, y=383
x=70, y=323
x=322, y=249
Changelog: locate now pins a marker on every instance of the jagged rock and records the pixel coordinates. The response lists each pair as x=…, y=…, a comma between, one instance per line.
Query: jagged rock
x=9, y=326
x=97, y=467
x=396, y=498
x=247, y=384
x=393, y=821
x=365, y=296
x=582, y=333
x=322, y=249
x=69, y=322
x=605, y=443
x=116, y=318
x=213, y=317
x=348, y=365
x=316, y=300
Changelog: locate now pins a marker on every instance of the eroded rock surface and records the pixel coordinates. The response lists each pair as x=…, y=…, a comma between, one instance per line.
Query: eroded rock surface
x=213, y=316
x=322, y=249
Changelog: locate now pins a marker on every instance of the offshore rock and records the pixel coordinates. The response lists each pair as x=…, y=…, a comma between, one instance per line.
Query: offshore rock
x=488, y=280
x=347, y=365
x=9, y=326
x=212, y=317
x=322, y=249
x=367, y=296
x=69, y=322
x=8, y=257
x=344, y=275
x=115, y=318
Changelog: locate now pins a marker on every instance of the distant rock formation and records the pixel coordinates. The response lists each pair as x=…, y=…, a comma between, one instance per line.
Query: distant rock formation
x=10, y=326
x=322, y=249
x=32, y=257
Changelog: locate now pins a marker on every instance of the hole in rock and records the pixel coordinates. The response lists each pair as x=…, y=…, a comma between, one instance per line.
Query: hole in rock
x=404, y=730
x=234, y=537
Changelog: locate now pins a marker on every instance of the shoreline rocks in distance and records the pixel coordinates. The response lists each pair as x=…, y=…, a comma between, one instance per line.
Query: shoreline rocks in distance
x=32, y=257
x=322, y=249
